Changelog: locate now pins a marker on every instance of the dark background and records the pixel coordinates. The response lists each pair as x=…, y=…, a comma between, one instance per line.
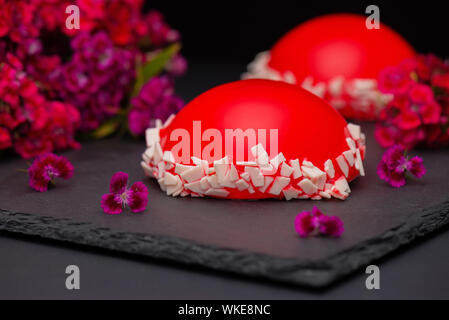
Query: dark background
x=237, y=30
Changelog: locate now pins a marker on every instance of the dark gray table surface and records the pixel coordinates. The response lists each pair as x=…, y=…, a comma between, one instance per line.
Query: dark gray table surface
x=31, y=268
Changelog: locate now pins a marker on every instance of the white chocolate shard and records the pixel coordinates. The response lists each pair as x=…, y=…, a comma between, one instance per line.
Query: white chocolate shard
x=193, y=174
x=325, y=194
x=279, y=184
x=337, y=194
x=315, y=175
x=296, y=168
x=267, y=182
x=241, y=185
x=158, y=123
x=181, y=168
x=359, y=163
x=152, y=136
x=194, y=186
x=342, y=185
x=343, y=165
x=349, y=155
x=260, y=154
x=168, y=157
x=291, y=193
x=223, y=193
x=268, y=170
x=204, y=183
x=354, y=130
x=171, y=180
x=174, y=190
x=221, y=170
x=286, y=170
x=161, y=169
x=162, y=184
x=157, y=156
x=213, y=181
x=351, y=144
x=307, y=186
x=233, y=174
x=148, y=154
x=276, y=161
x=309, y=164
x=329, y=168
x=256, y=176
x=245, y=176
x=246, y=163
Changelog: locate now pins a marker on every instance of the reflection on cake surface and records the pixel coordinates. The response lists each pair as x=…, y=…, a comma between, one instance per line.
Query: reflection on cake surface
x=254, y=139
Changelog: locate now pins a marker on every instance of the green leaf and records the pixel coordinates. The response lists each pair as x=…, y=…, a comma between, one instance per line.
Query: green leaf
x=154, y=66
x=106, y=129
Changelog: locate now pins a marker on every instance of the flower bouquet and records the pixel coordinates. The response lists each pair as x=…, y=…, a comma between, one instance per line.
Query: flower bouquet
x=113, y=74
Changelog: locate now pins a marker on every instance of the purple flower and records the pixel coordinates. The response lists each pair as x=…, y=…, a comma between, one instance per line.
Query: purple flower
x=330, y=225
x=155, y=101
x=314, y=222
x=46, y=168
x=97, y=78
x=136, y=197
x=395, y=164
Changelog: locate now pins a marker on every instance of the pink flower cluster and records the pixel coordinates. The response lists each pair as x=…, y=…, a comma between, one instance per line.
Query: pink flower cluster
x=46, y=168
x=315, y=222
x=418, y=114
x=29, y=122
x=82, y=78
x=96, y=79
x=119, y=196
x=395, y=164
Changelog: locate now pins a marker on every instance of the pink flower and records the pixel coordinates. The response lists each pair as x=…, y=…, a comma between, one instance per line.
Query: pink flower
x=314, y=222
x=305, y=223
x=395, y=164
x=394, y=80
x=46, y=168
x=419, y=111
x=330, y=225
x=136, y=197
x=5, y=139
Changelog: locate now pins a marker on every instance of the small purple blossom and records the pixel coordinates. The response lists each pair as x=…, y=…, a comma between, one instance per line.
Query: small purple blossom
x=315, y=222
x=395, y=164
x=46, y=168
x=156, y=100
x=136, y=197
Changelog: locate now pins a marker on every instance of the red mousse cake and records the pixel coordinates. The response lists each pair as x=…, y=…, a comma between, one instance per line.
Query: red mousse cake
x=254, y=139
x=338, y=58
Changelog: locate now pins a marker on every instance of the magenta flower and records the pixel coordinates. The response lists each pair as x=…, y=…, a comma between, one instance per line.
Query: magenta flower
x=136, y=197
x=330, y=225
x=315, y=222
x=395, y=164
x=46, y=168
x=156, y=100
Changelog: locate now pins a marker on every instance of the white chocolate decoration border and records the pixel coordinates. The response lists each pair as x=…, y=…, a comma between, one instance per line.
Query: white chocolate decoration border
x=273, y=178
x=363, y=94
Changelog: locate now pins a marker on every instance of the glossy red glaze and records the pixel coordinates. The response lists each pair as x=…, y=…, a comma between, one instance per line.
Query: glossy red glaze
x=308, y=127
x=338, y=45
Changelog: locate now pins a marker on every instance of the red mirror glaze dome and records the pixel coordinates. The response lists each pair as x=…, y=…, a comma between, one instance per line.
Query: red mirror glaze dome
x=254, y=139
x=337, y=57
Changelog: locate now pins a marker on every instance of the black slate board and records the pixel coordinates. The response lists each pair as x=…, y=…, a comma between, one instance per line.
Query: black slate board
x=255, y=238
